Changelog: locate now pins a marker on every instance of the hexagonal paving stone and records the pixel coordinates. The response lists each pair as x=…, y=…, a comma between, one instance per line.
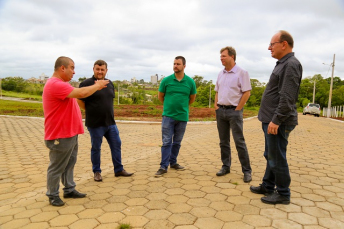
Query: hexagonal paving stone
x=215, y=197
x=27, y=213
x=182, y=218
x=221, y=206
x=156, y=196
x=331, y=223
x=238, y=200
x=194, y=193
x=177, y=199
x=63, y=220
x=42, y=225
x=136, y=201
x=71, y=210
x=285, y=224
x=174, y=191
x=135, y=221
x=328, y=206
x=274, y=213
x=208, y=223
x=202, y=212
x=228, y=216
x=84, y=224
x=158, y=214
x=135, y=210
x=246, y=209
x=289, y=208
x=43, y=217
x=257, y=220
x=179, y=208
x=198, y=202
x=16, y=223
x=302, y=218
x=237, y=224
x=114, y=207
x=156, y=204
x=111, y=217
x=90, y=213
x=161, y=224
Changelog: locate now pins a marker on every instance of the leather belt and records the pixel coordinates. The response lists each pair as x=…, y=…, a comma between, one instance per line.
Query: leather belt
x=226, y=107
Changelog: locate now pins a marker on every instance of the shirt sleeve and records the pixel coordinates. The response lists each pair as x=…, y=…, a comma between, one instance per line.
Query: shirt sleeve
x=193, y=88
x=61, y=89
x=245, y=82
x=162, y=88
x=289, y=90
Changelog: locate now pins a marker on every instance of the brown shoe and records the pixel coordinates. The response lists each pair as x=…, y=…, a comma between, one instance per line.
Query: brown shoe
x=98, y=177
x=123, y=173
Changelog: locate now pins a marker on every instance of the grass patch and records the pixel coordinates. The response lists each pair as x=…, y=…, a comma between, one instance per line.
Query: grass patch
x=21, y=95
x=124, y=226
x=8, y=107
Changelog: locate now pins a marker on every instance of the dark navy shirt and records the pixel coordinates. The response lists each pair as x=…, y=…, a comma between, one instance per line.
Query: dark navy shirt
x=279, y=98
x=99, y=106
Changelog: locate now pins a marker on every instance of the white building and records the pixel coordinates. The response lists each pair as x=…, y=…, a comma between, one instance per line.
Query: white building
x=133, y=80
x=154, y=79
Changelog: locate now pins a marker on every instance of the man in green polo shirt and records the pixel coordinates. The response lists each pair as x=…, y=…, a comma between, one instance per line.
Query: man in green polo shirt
x=176, y=92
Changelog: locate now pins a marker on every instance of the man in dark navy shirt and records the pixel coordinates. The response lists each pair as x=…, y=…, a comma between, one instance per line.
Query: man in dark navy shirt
x=101, y=123
x=278, y=115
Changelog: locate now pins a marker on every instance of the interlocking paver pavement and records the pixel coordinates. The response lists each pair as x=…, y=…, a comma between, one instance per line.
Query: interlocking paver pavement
x=194, y=198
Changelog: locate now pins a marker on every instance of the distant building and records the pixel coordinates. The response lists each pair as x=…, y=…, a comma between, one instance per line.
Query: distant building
x=154, y=79
x=43, y=77
x=133, y=80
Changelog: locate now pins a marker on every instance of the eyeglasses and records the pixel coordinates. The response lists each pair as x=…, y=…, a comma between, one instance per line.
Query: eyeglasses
x=272, y=44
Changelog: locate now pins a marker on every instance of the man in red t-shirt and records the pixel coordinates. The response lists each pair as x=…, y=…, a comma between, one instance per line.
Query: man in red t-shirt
x=62, y=125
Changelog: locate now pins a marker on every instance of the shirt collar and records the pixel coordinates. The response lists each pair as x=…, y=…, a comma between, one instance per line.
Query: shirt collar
x=233, y=70
x=174, y=77
x=286, y=57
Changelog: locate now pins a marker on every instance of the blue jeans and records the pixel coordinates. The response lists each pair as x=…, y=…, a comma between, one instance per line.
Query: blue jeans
x=172, y=135
x=231, y=119
x=277, y=170
x=111, y=134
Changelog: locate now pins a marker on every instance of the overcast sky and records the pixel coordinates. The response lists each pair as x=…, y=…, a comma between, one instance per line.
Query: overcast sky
x=140, y=38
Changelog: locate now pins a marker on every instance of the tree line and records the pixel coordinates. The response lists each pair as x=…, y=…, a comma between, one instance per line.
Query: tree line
x=137, y=94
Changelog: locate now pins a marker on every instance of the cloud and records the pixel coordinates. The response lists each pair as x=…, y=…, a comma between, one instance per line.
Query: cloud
x=141, y=38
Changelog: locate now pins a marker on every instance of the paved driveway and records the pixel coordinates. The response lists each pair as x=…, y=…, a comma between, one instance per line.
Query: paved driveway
x=194, y=198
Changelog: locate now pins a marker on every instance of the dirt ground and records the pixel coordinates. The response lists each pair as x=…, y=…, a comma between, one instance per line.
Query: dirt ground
x=151, y=112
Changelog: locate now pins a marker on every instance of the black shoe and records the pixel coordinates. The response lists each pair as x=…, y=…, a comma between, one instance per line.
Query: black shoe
x=260, y=190
x=223, y=171
x=74, y=194
x=56, y=201
x=275, y=198
x=177, y=167
x=160, y=172
x=247, y=177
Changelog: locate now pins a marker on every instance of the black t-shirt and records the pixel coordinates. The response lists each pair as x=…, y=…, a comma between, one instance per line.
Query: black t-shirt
x=99, y=106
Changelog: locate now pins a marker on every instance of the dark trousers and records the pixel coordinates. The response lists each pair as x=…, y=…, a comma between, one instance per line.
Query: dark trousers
x=111, y=134
x=231, y=119
x=277, y=170
x=63, y=155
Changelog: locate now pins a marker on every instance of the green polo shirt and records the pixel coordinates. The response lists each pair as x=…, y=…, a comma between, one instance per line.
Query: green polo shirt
x=177, y=96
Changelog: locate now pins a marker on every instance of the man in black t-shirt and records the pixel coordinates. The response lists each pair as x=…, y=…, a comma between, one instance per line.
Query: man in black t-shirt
x=100, y=122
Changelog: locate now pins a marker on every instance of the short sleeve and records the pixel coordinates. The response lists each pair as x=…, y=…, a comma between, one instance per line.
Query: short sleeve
x=162, y=87
x=245, y=82
x=61, y=89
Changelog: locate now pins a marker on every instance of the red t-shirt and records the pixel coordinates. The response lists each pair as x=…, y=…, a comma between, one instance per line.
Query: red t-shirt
x=62, y=114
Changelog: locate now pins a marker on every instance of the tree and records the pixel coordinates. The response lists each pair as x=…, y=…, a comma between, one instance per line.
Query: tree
x=81, y=79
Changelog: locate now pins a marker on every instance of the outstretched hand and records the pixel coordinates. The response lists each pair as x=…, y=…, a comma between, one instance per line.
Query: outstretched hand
x=101, y=83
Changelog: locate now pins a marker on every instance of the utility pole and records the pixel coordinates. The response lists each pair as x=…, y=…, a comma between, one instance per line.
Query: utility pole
x=118, y=93
x=314, y=90
x=330, y=95
x=209, y=95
